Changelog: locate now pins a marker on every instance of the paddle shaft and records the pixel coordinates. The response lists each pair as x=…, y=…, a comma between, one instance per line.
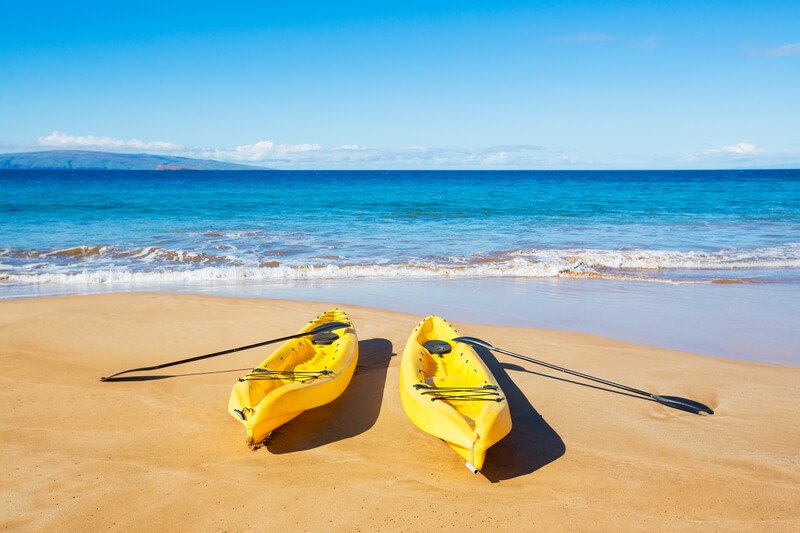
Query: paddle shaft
x=217, y=354
x=670, y=401
x=575, y=373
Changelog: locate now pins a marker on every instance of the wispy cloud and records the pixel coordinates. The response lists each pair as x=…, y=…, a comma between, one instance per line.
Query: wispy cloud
x=354, y=156
x=585, y=38
x=268, y=153
x=792, y=49
x=313, y=155
x=742, y=151
x=738, y=149
x=738, y=155
x=91, y=142
x=260, y=151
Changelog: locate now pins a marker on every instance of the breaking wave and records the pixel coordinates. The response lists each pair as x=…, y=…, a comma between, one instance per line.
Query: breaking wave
x=105, y=264
x=149, y=254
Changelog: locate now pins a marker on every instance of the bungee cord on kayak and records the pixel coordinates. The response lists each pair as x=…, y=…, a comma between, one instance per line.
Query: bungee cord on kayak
x=486, y=393
x=264, y=374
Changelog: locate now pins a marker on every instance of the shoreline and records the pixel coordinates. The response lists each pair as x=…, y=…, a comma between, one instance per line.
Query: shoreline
x=132, y=453
x=744, y=321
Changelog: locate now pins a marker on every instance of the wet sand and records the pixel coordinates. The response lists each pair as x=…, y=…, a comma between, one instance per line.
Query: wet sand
x=753, y=322
x=162, y=453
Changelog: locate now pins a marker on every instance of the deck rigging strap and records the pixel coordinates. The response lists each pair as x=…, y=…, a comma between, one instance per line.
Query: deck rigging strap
x=486, y=393
x=263, y=374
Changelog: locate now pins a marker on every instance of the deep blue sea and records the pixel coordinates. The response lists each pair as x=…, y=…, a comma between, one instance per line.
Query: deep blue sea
x=101, y=227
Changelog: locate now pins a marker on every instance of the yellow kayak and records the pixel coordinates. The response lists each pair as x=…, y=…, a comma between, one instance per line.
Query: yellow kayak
x=303, y=373
x=447, y=391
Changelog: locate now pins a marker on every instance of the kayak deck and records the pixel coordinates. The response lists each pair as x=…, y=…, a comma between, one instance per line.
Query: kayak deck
x=302, y=374
x=448, y=392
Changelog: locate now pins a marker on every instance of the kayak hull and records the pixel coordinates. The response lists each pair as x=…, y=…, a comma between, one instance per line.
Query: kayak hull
x=298, y=376
x=469, y=424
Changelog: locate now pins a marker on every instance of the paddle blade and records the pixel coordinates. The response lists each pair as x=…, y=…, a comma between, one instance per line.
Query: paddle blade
x=684, y=404
x=474, y=341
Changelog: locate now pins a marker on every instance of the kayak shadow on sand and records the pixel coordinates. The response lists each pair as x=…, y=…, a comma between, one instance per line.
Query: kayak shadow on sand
x=531, y=444
x=351, y=414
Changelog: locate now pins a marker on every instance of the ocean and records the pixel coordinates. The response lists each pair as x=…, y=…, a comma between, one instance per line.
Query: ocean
x=254, y=232
x=109, y=227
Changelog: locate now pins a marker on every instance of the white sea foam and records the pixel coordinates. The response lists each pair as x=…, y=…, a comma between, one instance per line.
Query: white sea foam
x=154, y=265
x=787, y=256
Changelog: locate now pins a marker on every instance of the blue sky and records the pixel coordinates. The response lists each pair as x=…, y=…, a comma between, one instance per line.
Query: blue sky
x=408, y=85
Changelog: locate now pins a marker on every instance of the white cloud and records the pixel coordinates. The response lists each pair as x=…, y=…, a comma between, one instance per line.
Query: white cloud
x=261, y=151
x=783, y=50
x=312, y=156
x=737, y=149
x=268, y=153
x=731, y=153
x=355, y=156
x=90, y=142
x=496, y=158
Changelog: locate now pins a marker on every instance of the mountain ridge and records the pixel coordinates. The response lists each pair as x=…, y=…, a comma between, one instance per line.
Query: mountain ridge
x=95, y=160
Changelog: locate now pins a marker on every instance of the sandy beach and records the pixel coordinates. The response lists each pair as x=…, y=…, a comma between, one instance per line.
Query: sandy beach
x=164, y=454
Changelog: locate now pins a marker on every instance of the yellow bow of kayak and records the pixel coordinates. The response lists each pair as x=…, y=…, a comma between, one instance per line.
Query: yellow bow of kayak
x=303, y=373
x=447, y=391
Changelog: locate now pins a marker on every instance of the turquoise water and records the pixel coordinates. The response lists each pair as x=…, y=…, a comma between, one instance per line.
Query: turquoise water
x=648, y=249
x=96, y=227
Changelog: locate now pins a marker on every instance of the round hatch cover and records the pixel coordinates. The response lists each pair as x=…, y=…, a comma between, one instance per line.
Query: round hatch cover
x=438, y=347
x=324, y=338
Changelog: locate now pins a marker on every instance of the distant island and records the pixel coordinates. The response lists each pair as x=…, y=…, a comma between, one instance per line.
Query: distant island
x=89, y=160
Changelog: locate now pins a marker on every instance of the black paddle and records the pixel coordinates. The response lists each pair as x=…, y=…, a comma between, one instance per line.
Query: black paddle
x=321, y=328
x=670, y=401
